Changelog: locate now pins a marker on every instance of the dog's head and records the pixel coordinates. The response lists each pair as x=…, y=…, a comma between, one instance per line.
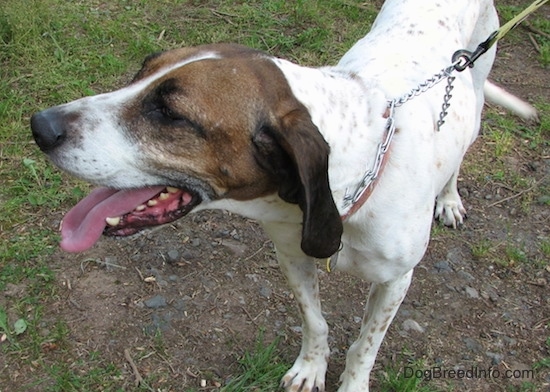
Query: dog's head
x=194, y=125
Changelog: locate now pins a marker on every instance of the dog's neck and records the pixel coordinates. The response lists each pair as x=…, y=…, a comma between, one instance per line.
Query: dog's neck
x=350, y=115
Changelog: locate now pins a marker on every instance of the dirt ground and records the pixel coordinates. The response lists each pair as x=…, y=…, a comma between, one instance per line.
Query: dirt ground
x=210, y=282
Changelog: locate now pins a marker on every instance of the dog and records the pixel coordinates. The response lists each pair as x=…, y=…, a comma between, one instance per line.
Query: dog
x=229, y=127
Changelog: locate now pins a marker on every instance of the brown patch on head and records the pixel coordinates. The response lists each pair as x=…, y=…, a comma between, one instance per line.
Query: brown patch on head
x=230, y=126
x=196, y=119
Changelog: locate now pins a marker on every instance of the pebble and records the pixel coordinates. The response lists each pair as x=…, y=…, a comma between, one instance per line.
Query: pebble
x=490, y=294
x=509, y=341
x=466, y=275
x=253, y=277
x=265, y=291
x=297, y=329
x=442, y=266
x=454, y=256
x=196, y=242
x=472, y=344
x=187, y=255
x=173, y=255
x=158, y=301
x=496, y=358
x=471, y=292
x=411, y=325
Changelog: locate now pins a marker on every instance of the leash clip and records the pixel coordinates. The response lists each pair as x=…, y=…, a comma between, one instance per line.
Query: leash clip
x=463, y=59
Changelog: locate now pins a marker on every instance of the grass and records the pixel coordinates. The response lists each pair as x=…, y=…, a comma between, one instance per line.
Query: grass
x=53, y=51
x=408, y=376
x=536, y=25
x=261, y=370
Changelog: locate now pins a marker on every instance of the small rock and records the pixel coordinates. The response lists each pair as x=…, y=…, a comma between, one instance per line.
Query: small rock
x=454, y=256
x=195, y=242
x=173, y=256
x=471, y=292
x=158, y=301
x=496, y=358
x=490, y=294
x=187, y=255
x=357, y=319
x=466, y=275
x=442, y=266
x=236, y=247
x=253, y=277
x=472, y=344
x=411, y=325
x=509, y=341
x=162, y=283
x=265, y=291
x=297, y=329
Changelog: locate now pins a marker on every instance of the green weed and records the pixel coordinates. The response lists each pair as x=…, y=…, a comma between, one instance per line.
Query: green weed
x=260, y=371
x=406, y=377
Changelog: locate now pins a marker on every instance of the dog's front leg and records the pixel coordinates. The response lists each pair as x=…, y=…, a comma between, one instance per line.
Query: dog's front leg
x=382, y=305
x=308, y=372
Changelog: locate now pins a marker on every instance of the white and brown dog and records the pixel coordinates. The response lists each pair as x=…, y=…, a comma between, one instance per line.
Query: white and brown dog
x=224, y=126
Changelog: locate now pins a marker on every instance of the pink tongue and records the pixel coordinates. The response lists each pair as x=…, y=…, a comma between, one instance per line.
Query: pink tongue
x=85, y=222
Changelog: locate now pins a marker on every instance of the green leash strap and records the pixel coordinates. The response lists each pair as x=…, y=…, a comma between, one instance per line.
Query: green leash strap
x=464, y=58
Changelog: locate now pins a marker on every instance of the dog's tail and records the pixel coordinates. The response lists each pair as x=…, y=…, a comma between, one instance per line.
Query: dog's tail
x=498, y=96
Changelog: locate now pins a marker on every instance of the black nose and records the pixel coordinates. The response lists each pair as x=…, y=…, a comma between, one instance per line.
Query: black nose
x=48, y=129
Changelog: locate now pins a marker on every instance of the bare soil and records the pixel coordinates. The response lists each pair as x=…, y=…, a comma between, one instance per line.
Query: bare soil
x=187, y=300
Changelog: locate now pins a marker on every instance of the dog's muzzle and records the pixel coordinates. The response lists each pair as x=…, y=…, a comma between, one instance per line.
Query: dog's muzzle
x=48, y=129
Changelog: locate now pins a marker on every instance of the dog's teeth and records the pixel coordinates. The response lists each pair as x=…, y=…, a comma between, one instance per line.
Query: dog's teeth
x=152, y=203
x=171, y=189
x=113, y=221
x=141, y=207
x=164, y=196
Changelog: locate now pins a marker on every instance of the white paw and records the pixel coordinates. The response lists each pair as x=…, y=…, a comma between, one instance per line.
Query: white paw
x=449, y=210
x=307, y=375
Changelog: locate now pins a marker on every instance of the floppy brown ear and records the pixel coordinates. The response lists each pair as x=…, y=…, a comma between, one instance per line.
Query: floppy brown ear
x=297, y=154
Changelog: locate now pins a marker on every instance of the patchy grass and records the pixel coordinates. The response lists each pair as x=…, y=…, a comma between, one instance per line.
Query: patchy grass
x=261, y=370
x=537, y=26
x=407, y=375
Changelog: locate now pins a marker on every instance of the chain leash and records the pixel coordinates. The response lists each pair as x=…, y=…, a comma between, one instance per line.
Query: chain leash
x=370, y=176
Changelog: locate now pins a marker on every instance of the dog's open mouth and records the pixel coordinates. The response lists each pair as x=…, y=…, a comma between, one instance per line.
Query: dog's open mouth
x=121, y=213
